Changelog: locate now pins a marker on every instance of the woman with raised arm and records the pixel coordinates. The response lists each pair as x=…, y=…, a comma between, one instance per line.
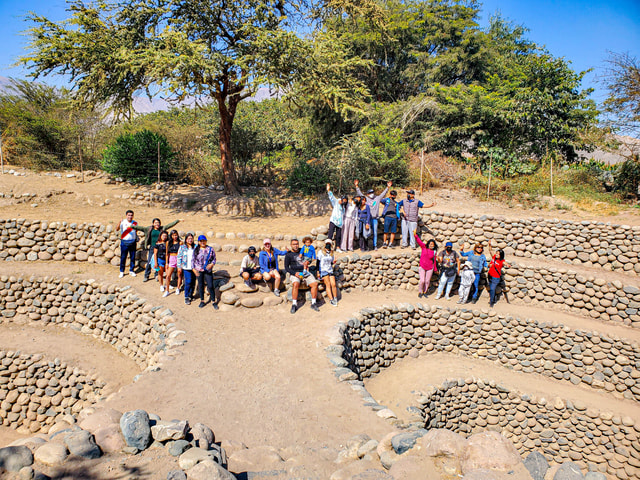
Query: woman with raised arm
x=495, y=272
x=428, y=264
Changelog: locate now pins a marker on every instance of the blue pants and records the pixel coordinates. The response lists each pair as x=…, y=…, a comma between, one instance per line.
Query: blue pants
x=493, y=284
x=189, y=282
x=374, y=231
x=127, y=248
x=147, y=269
x=448, y=281
x=476, y=286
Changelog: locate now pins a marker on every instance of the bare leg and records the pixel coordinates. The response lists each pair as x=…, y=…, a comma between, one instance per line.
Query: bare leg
x=327, y=283
x=314, y=290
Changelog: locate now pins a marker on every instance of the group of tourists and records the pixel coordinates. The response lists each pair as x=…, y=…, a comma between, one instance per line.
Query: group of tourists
x=359, y=218
x=190, y=261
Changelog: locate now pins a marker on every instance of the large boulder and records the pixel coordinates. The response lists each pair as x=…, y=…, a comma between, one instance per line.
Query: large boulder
x=537, y=465
x=488, y=450
x=209, y=470
x=163, y=431
x=136, y=429
x=51, y=454
x=82, y=444
x=441, y=442
x=93, y=419
x=568, y=471
x=14, y=458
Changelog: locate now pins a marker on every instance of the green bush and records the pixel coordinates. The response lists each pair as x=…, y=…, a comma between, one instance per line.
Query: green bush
x=627, y=176
x=134, y=157
x=308, y=177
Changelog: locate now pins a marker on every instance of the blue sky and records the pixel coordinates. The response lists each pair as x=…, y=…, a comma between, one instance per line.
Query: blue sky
x=582, y=31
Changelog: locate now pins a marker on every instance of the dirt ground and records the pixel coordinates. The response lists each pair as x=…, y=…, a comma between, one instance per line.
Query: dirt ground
x=261, y=376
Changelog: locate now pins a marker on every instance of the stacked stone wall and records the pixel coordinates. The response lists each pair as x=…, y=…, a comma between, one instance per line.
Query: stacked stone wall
x=562, y=430
x=610, y=246
x=375, y=338
x=108, y=312
x=35, y=393
x=559, y=288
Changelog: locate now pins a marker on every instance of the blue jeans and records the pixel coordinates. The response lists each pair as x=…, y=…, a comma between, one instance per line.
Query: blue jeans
x=493, y=284
x=448, y=281
x=147, y=269
x=189, y=282
x=476, y=286
x=127, y=248
x=374, y=231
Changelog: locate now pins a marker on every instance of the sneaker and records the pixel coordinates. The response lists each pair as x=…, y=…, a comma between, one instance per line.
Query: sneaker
x=145, y=279
x=334, y=302
x=437, y=297
x=294, y=308
x=187, y=301
x=202, y=304
x=339, y=250
x=162, y=288
x=177, y=292
x=447, y=297
x=215, y=306
x=392, y=246
x=133, y=274
x=276, y=292
x=248, y=283
x=375, y=248
x=420, y=295
x=121, y=275
x=491, y=305
x=314, y=306
x=460, y=301
x=166, y=294
x=474, y=301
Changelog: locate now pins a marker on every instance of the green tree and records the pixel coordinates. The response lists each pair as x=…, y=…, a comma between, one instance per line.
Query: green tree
x=197, y=48
x=134, y=157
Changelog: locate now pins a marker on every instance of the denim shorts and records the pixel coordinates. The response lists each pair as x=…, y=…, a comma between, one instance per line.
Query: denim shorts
x=390, y=224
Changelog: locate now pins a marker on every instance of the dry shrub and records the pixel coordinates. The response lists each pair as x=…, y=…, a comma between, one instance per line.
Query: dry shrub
x=439, y=169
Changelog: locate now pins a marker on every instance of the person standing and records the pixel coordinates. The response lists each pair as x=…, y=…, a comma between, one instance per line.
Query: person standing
x=450, y=262
x=160, y=256
x=268, y=261
x=479, y=263
x=128, y=239
x=337, y=217
x=428, y=264
x=151, y=234
x=373, y=202
x=410, y=213
x=466, y=280
x=204, y=258
x=325, y=266
x=350, y=225
x=295, y=266
x=495, y=273
x=173, y=247
x=364, y=224
x=390, y=214
x=185, y=264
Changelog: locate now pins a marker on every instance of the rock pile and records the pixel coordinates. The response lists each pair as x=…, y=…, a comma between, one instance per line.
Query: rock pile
x=108, y=312
x=564, y=431
x=36, y=393
x=101, y=431
x=560, y=288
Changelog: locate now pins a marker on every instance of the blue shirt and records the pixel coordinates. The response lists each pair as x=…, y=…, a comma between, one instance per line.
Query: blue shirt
x=478, y=261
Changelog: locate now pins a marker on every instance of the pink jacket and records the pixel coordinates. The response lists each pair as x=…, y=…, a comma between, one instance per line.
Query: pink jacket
x=427, y=257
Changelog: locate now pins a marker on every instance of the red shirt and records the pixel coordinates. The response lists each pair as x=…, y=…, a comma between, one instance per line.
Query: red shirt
x=495, y=269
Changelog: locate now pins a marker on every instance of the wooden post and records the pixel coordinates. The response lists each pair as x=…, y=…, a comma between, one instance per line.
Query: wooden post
x=158, y=162
x=490, y=166
x=552, y=175
x=80, y=155
x=421, y=168
x=1, y=156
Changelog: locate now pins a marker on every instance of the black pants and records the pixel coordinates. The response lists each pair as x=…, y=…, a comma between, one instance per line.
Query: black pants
x=206, y=277
x=338, y=232
x=147, y=269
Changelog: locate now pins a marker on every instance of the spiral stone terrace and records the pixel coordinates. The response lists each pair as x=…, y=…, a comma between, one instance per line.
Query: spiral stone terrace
x=109, y=312
x=36, y=393
x=561, y=429
x=587, y=295
x=375, y=338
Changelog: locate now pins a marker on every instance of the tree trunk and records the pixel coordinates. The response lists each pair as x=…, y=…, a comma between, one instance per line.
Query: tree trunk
x=231, y=186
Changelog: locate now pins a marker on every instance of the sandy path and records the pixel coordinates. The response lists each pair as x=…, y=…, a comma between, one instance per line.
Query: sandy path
x=393, y=386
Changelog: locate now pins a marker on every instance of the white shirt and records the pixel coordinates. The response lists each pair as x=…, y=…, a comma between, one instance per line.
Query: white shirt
x=129, y=237
x=189, y=258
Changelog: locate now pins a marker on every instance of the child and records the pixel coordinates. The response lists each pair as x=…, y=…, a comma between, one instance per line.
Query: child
x=160, y=256
x=467, y=277
x=326, y=261
x=250, y=270
x=151, y=234
x=308, y=253
x=173, y=247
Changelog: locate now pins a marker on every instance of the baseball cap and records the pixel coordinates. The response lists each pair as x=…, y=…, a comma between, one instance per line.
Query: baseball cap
x=251, y=249
x=370, y=191
x=266, y=241
x=202, y=237
x=412, y=192
x=448, y=244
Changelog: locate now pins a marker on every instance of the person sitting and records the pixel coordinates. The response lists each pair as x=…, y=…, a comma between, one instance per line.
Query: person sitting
x=308, y=253
x=295, y=266
x=268, y=261
x=250, y=269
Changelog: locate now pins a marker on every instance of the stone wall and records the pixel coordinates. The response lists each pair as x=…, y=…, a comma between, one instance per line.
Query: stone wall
x=108, y=312
x=560, y=288
x=562, y=430
x=611, y=246
x=375, y=338
x=36, y=393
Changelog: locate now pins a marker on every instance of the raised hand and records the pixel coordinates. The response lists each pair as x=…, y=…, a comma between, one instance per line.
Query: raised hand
x=389, y=184
x=328, y=187
x=356, y=183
